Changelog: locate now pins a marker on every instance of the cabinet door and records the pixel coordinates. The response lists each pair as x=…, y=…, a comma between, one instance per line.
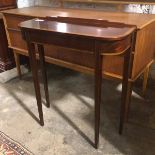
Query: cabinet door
x=5, y=3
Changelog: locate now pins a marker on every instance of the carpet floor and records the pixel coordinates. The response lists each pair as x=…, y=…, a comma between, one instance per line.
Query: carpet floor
x=69, y=121
x=9, y=146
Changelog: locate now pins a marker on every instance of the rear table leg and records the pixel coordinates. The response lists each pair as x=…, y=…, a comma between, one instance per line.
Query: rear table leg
x=98, y=84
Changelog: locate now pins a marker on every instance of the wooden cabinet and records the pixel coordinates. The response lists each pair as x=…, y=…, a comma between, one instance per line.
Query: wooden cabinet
x=6, y=56
x=144, y=49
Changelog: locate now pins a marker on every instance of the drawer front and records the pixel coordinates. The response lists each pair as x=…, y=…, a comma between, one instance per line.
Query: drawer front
x=12, y=21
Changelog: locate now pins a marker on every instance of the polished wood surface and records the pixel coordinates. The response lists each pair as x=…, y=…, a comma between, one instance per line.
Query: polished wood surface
x=148, y=2
x=42, y=12
x=101, y=30
x=145, y=30
x=92, y=38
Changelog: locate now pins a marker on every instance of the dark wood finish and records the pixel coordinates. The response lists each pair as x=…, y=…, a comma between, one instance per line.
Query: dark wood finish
x=44, y=74
x=128, y=102
x=126, y=85
x=98, y=40
x=6, y=56
x=98, y=86
x=83, y=61
x=142, y=58
x=33, y=63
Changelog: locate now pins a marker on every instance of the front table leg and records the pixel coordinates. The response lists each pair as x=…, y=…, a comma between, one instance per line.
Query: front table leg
x=33, y=62
x=44, y=74
x=126, y=94
x=98, y=85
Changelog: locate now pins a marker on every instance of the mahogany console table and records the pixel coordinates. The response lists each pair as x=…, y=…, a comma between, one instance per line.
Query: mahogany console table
x=98, y=39
x=142, y=57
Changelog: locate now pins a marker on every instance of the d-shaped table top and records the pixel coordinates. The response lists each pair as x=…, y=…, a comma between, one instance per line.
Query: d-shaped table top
x=108, y=30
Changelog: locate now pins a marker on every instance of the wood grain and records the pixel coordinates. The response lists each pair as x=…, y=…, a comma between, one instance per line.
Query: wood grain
x=112, y=66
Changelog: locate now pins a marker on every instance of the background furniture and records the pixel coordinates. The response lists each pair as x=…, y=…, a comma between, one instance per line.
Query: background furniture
x=6, y=56
x=113, y=1
x=118, y=3
x=8, y=4
x=144, y=48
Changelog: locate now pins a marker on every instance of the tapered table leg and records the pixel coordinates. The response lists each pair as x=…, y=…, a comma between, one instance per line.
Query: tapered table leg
x=126, y=84
x=33, y=62
x=126, y=93
x=44, y=74
x=128, y=100
x=98, y=84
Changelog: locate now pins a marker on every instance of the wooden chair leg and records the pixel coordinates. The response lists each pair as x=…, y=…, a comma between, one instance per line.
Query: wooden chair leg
x=145, y=79
x=44, y=74
x=17, y=61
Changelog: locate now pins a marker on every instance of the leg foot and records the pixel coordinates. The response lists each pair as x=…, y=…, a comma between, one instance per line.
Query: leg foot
x=17, y=61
